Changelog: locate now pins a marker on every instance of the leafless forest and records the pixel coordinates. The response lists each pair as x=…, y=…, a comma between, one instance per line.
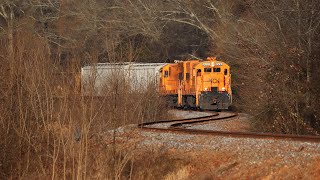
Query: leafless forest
x=49, y=131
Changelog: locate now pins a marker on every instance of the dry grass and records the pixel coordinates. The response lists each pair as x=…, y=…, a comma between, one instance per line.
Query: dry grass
x=49, y=131
x=181, y=174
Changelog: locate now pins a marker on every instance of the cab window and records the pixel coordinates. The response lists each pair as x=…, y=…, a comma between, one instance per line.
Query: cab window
x=187, y=76
x=207, y=70
x=226, y=72
x=180, y=76
x=166, y=73
x=216, y=69
x=199, y=72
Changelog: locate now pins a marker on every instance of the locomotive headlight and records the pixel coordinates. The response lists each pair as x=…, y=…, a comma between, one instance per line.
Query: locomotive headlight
x=206, y=89
x=223, y=88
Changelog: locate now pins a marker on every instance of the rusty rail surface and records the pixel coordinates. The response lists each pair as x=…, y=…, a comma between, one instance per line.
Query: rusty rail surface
x=178, y=128
x=178, y=120
x=204, y=120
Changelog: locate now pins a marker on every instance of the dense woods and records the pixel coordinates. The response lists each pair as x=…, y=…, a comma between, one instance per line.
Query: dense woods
x=273, y=48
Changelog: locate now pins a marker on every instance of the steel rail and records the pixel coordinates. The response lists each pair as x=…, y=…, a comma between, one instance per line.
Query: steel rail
x=235, y=134
x=178, y=128
x=180, y=124
x=177, y=120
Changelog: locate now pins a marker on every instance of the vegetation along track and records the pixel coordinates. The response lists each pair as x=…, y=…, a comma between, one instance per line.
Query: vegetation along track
x=179, y=126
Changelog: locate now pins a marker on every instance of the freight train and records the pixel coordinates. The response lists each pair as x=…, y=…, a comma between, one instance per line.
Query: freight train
x=202, y=84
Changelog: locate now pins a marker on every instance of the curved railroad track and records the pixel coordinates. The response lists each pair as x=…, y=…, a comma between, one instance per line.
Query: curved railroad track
x=179, y=126
x=174, y=121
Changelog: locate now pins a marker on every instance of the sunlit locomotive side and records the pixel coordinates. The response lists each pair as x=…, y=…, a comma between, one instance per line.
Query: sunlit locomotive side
x=197, y=84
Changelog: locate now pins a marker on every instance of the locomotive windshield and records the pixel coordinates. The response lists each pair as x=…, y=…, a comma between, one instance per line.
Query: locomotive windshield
x=207, y=69
x=216, y=69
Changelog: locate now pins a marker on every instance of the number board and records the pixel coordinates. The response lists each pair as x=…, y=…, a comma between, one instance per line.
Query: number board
x=206, y=64
x=212, y=64
x=219, y=64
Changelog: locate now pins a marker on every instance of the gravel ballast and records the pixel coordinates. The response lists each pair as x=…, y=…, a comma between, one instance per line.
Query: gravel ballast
x=249, y=157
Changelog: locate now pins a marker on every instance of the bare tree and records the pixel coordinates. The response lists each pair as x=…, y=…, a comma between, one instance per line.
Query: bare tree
x=273, y=44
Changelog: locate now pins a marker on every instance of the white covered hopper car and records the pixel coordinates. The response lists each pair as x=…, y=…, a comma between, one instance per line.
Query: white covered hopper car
x=136, y=76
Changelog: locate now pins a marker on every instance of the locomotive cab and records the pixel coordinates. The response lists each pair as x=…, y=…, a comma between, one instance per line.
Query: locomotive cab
x=213, y=81
x=169, y=83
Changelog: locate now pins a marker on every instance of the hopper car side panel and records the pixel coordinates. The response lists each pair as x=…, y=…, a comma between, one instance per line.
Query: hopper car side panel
x=134, y=76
